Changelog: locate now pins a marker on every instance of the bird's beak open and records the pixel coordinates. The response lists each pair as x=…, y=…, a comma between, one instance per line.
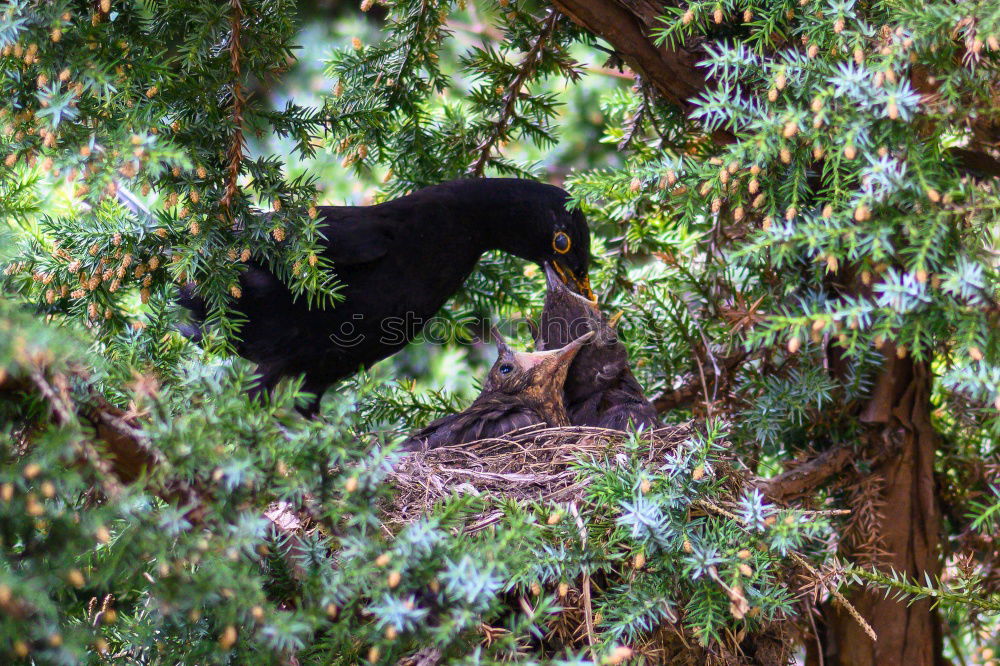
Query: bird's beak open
x=502, y=348
x=567, y=353
x=578, y=284
x=555, y=357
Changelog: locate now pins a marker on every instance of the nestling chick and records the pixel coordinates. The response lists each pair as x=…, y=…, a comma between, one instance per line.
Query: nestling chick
x=522, y=389
x=600, y=387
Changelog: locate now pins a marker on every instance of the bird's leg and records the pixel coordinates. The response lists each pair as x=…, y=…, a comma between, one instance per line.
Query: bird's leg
x=316, y=388
x=269, y=378
x=263, y=384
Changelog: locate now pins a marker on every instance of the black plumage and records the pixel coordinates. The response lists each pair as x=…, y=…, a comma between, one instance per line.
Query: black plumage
x=399, y=263
x=600, y=387
x=522, y=389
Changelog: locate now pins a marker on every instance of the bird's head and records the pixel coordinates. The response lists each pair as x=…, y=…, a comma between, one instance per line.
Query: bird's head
x=537, y=377
x=533, y=221
x=565, y=317
x=569, y=251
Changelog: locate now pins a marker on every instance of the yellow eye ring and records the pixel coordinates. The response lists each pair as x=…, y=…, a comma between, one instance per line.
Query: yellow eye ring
x=561, y=242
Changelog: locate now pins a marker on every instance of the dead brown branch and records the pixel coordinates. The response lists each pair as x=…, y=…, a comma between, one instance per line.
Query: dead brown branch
x=801, y=561
x=237, y=141
x=805, y=478
x=673, y=72
x=512, y=92
x=697, y=386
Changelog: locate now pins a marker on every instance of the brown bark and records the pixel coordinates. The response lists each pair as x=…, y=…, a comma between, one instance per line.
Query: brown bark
x=118, y=449
x=909, y=527
x=805, y=478
x=120, y=435
x=626, y=26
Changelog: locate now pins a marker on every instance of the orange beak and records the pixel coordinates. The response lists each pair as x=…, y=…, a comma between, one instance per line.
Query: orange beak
x=581, y=285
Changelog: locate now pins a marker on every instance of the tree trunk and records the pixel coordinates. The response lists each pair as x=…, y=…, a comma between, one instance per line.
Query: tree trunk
x=908, y=528
x=626, y=26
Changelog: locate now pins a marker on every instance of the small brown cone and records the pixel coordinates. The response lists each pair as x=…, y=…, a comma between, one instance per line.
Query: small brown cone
x=618, y=655
x=228, y=637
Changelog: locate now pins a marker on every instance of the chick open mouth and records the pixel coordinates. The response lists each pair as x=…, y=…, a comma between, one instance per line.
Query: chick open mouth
x=581, y=285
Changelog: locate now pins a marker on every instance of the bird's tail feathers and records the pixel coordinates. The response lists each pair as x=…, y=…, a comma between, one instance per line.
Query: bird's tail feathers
x=196, y=305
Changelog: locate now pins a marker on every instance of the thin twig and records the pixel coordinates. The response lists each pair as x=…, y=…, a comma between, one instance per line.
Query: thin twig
x=63, y=413
x=688, y=392
x=479, y=30
x=827, y=512
x=588, y=609
x=711, y=357
x=127, y=199
x=812, y=621
x=234, y=158
x=704, y=386
x=484, y=522
x=634, y=125
x=527, y=68
x=65, y=416
x=837, y=595
x=802, y=561
x=718, y=509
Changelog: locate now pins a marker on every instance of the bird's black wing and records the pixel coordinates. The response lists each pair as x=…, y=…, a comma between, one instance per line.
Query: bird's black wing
x=482, y=420
x=621, y=407
x=627, y=413
x=356, y=235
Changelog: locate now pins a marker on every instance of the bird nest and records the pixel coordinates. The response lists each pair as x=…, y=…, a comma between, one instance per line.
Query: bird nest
x=531, y=464
x=543, y=464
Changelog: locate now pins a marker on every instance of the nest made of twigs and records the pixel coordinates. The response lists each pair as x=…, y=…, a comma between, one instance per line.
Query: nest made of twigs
x=532, y=464
x=541, y=464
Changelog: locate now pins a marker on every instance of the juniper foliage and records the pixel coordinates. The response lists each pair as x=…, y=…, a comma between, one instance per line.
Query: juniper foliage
x=836, y=225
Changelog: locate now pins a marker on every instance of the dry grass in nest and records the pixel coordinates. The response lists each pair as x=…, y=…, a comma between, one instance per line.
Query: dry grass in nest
x=539, y=464
x=535, y=463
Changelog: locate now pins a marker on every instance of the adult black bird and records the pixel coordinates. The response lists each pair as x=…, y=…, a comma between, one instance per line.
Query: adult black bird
x=522, y=389
x=600, y=387
x=399, y=263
